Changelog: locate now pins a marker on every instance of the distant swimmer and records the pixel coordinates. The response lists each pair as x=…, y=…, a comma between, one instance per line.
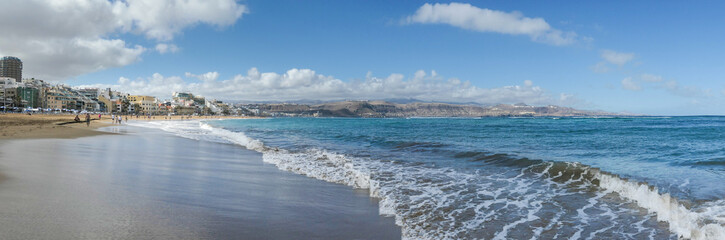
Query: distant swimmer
x=88, y=119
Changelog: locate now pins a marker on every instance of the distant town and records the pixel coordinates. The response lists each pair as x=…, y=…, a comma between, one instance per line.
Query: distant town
x=35, y=95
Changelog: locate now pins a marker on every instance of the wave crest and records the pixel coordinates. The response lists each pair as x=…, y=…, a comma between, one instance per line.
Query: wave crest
x=416, y=200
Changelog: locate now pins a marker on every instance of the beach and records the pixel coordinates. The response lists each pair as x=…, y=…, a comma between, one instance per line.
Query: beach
x=27, y=126
x=135, y=183
x=24, y=126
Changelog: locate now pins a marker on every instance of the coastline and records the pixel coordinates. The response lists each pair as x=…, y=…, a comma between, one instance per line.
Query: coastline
x=23, y=126
x=63, y=126
x=169, y=187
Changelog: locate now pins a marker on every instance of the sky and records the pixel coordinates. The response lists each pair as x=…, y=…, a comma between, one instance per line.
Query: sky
x=648, y=57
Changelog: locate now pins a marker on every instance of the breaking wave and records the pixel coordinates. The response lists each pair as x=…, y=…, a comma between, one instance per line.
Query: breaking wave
x=514, y=198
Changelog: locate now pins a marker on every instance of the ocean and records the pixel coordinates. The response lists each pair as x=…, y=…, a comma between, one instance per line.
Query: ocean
x=507, y=178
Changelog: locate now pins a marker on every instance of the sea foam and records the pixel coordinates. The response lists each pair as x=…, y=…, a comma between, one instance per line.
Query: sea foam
x=462, y=202
x=705, y=223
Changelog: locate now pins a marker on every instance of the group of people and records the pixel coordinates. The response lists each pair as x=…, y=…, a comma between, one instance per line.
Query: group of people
x=88, y=119
x=117, y=119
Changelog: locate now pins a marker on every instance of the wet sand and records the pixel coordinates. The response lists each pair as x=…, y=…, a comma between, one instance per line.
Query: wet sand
x=146, y=184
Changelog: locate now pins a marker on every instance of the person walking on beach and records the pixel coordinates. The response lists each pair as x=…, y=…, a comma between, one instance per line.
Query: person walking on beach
x=88, y=119
x=113, y=118
x=119, y=119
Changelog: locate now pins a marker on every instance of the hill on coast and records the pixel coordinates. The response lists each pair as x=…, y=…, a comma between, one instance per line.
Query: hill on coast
x=382, y=109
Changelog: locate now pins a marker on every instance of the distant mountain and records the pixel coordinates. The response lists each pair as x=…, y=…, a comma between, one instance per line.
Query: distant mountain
x=383, y=109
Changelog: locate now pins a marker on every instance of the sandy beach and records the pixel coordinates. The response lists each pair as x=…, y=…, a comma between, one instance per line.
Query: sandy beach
x=23, y=126
x=118, y=181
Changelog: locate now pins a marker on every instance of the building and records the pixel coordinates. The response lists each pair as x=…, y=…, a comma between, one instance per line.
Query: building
x=29, y=97
x=91, y=93
x=11, y=67
x=114, y=102
x=183, y=99
x=61, y=97
x=4, y=82
x=106, y=104
x=217, y=107
x=8, y=92
x=35, y=83
x=146, y=105
x=183, y=110
x=55, y=99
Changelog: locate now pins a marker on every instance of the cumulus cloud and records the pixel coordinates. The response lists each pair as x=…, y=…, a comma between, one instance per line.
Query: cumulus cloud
x=469, y=17
x=629, y=84
x=618, y=58
x=61, y=39
x=296, y=84
x=161, y=20
x=206, y=77
x=164, y=48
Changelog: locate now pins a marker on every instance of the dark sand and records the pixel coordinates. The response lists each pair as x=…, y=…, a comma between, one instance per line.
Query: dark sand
x=146, y=184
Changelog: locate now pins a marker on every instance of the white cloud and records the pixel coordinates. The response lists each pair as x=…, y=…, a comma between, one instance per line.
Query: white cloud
x=617, y=58
x=161, y=20
x=206, y=77
x=600, y=67
x=675, y=88
x=164, y=48
x=651, y=78
x=296, y=84
x=629, y=84
x=469, y=17
x=528, y=83
x=61, y=39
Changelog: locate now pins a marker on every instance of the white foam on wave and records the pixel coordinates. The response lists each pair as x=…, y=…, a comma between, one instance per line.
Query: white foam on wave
x=322, y=165
x=705, y=222
x=235, y=137
x=186, y=129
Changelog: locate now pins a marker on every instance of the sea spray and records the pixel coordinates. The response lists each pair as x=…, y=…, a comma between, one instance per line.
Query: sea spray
x=235, y=137
x=682, y=221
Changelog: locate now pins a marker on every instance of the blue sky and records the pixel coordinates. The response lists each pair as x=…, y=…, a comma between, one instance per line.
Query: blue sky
x=646, y=57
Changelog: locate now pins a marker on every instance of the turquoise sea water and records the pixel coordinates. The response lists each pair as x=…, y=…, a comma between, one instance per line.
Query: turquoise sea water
x=503, y=178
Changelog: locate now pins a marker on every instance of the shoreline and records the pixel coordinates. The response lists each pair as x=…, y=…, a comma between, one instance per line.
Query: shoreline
x=63, y=126
x=170, y=187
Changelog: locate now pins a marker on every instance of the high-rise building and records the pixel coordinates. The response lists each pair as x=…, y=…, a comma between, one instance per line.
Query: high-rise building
x=11, y=67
